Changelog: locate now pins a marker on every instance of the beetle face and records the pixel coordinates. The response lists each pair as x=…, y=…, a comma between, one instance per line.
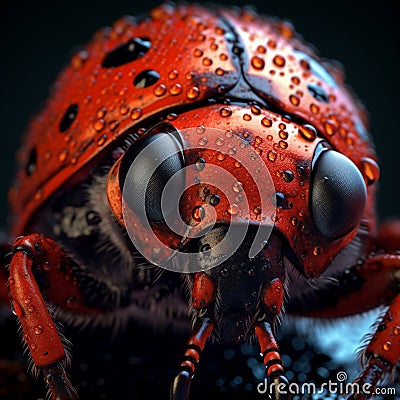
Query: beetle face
x=177, y=181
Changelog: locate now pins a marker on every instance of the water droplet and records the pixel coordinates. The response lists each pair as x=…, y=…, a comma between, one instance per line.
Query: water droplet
x=330, y=127
x=225, y=112
x=283, y=144
x=68, y=117
x=294, y=221
x=175, y=89
x=31, y=166
x=396, y=330
x=99, y=124
x=279, y=61
x=101, y=112
x=272, y=155
x=39, y=194
x=38, y=330
x=207, y=61
x=214, y=200
x=371, y=170
x=271, y=44
x=261, y=49
x=308, y=132
x=47, y=266
x=247, y=117
x=214, y=46
x=33, y=346
x=257, y=210
x=288, y=175
x=233, y=209
x=266, y=122
x=193, y=92
x=295, y=80
x=31, y=309
x=160, y=90
x=283, y=135
x=200, y=129
x=219, y=141
x=47, y=155
x=295, y=100
x=72, y=302
x=220, y=157
x=203, y=141
x=146, y=78
x=256, y=110
x=79, y=59
x=17, y=309
x=173, y=74
x=220, y=71
x=200, y=164
x=317, y=251
x=237, y=187
x=198, y=213
x=198, y=53
x=172, y=117
x=136, y=113
x=314, y=108
x=127, y=52
x=257, y=63
x=63, y=155
x=387, y=346
x=101, y=140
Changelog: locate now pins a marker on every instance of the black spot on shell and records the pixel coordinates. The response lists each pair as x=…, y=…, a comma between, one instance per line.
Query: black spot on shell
x=146, y=78
x=68, y=117
x=318, y=93
x=126, y=53
x=31, y=166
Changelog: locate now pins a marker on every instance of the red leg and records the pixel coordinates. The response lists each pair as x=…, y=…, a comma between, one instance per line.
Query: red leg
x=36, y=253
x=382, y=352
x=181, y=385
x=272, y=361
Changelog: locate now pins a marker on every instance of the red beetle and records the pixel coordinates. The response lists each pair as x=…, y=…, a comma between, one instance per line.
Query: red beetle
x=211, y=143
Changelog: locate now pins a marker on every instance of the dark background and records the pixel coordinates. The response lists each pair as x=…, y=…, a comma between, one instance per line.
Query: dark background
x=36, y=39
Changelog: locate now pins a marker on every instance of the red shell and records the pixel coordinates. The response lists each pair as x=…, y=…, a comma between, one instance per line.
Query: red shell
x=199, y=54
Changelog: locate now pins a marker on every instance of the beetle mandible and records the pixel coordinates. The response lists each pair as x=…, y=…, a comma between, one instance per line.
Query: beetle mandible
x=131, y=113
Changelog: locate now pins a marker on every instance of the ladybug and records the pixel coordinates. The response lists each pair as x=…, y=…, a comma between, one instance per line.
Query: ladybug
x=213, y=153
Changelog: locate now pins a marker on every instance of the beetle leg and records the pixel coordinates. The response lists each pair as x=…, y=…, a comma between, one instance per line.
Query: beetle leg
x=272, y=360
x=35, y=253
x=181, y=385
x=203, y=294
x=371, y=283
x=382, y=352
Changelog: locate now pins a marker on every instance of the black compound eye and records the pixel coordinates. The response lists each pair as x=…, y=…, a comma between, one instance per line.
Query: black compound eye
x=145, y=170
x=338, y=194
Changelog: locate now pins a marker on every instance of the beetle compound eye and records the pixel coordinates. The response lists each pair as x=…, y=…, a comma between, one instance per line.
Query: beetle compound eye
x=338, y=194
x=145, y=170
